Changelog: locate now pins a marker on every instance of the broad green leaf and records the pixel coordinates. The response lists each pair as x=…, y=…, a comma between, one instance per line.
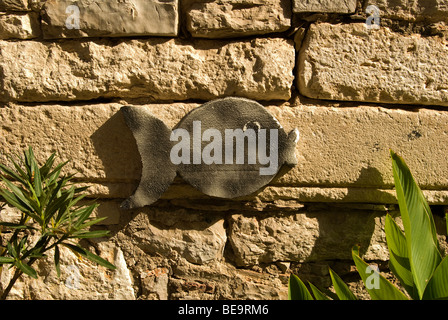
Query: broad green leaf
x=297, y=289
x=437, y=287
x=399, y=260
x=26, y=269
x=318, y=295
x=341, y=288
x=419, y=228
x=385, y=291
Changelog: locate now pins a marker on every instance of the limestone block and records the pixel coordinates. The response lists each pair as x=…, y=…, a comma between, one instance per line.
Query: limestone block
x=109, y=18
x=300, y=237
x=224, y=281
x=343, y=152
x=412, y=10
x=260, y=69
x=330, y=6
x=79, y=280
x=198, y=240
x=19, y=26
x=234, y=18
x=349, y=62
x=13, y=5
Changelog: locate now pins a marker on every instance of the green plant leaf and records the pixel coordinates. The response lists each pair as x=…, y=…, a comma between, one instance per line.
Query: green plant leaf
x=318, y=295
x=102, y=262
x=57, y=261
x=90, y=234
x=386, y=290
x=45, y=169
x=37, y=181
x=16, y=226
x=89, y=255
x=399, y=259
x=419, y=228
x=297, y=289
x=15, y=200
x=341, y=288
x=26, y=269
x=13, y=175
x=6, y=260
x=437, y=288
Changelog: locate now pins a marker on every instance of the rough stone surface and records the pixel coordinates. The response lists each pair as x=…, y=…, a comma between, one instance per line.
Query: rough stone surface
x=157, y=68
x=79, y=280
x=14, y=5
x=357, y=163
x=193, y=237
x=349, y=62
x=19, y=26
x=311, y=236
x=330, y=6
x=234, y=18
x=415, y=10
x=111, y=18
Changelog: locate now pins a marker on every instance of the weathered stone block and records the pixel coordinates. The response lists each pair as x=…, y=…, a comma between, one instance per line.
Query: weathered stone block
x=415, y=10
x=198, y=240
x=13, y=5
x=19, y=26
x=234, y=18
x=162, y=69
x=349, y=62
x=110, y=18
x=300, y=237
x=329, y=6
x=80, y=279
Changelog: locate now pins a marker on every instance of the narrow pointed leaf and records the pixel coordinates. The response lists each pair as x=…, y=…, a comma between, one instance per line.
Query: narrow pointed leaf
x=57, y=261
x=318, y=295
x=89, y=255
x=26, y=269
x=386, y=290
x=419, y=228
x=12, y=174
x=102, y=262
x=341, y=288
x=90, y=234
x=297, y=289
x=6, y=260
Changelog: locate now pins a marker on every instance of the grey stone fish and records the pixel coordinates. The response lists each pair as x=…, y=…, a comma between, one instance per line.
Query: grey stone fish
x=226, y=148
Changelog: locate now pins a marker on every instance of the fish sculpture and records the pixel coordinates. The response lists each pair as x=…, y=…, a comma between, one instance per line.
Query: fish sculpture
x=225, y=148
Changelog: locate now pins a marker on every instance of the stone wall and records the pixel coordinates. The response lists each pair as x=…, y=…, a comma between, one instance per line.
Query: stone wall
x=353, y=93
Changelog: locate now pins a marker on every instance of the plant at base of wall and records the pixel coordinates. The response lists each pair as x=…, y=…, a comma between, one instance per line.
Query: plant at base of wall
x=415, y=255
x=50, y=216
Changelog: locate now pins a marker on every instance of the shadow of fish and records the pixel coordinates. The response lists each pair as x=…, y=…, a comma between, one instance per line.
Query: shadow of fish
x=226, y=148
